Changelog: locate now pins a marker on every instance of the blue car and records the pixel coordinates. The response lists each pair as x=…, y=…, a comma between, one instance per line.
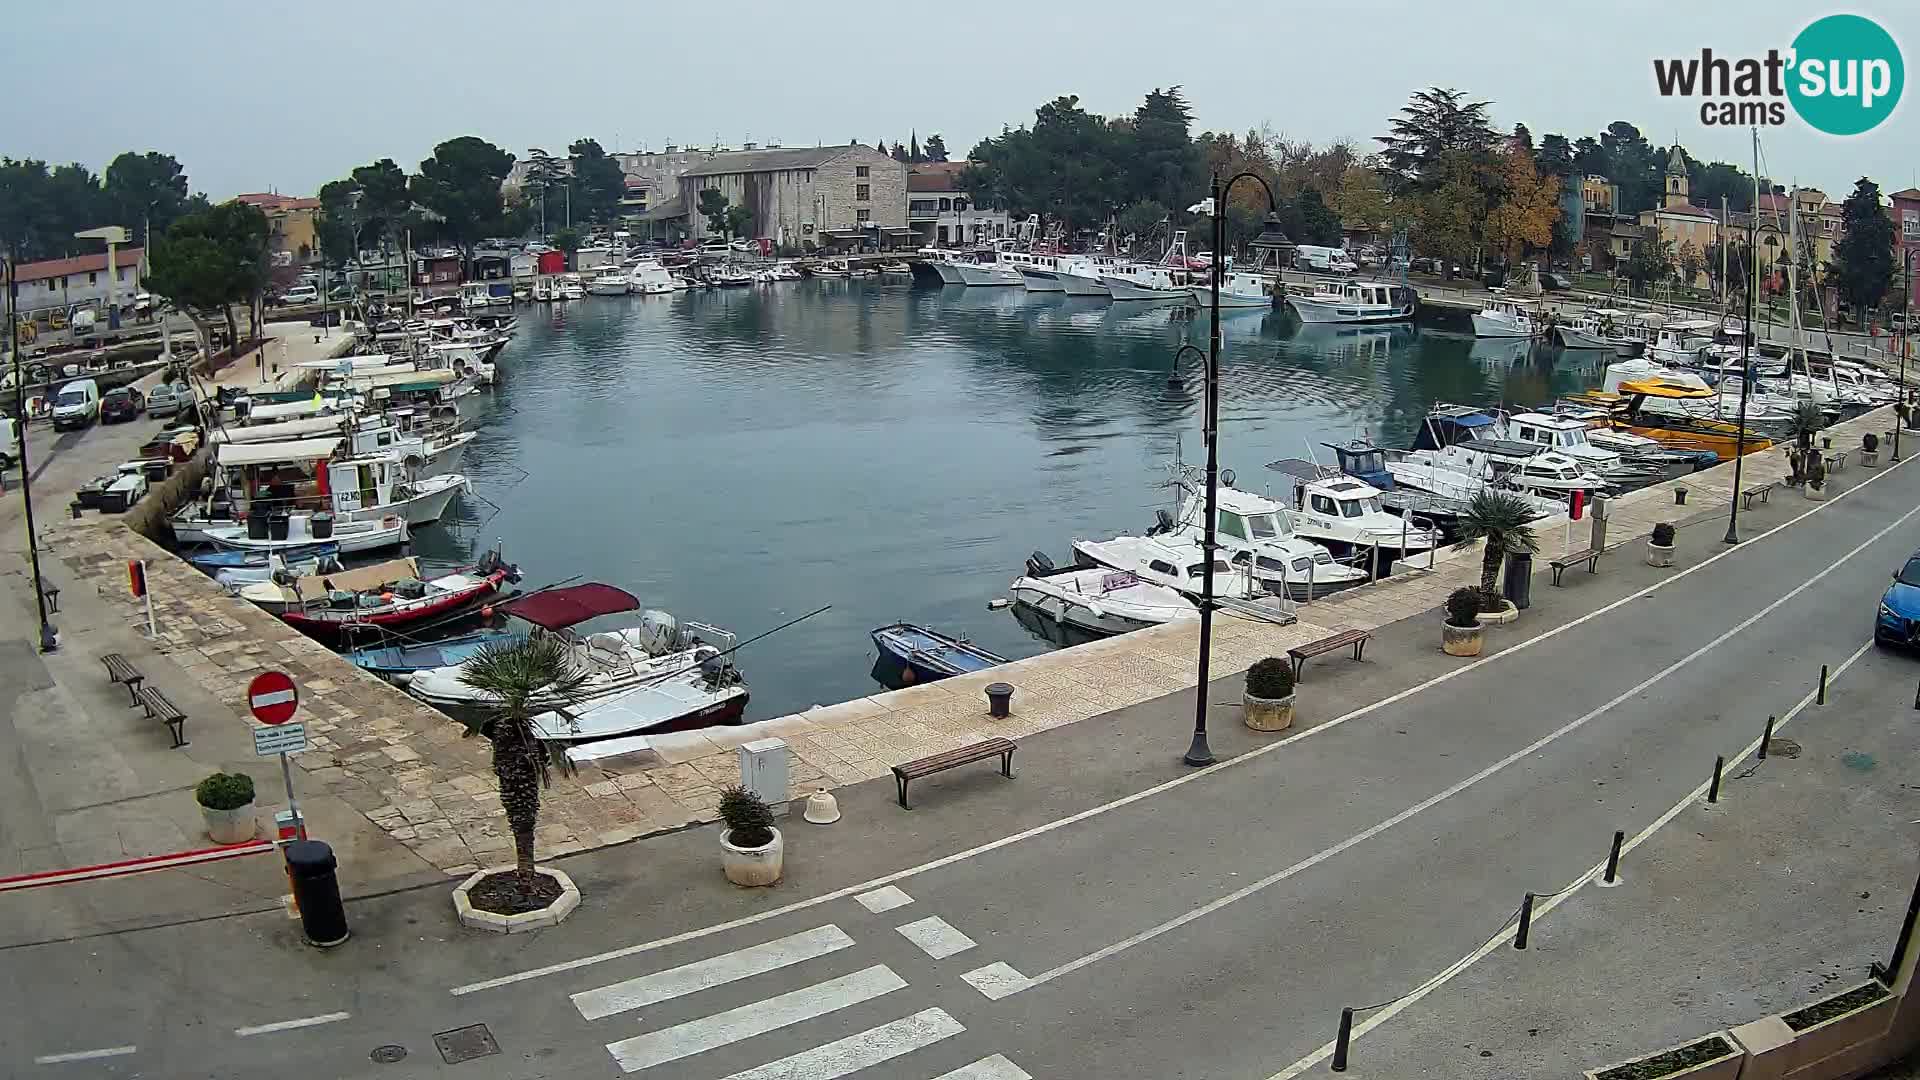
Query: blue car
x=1899, y=620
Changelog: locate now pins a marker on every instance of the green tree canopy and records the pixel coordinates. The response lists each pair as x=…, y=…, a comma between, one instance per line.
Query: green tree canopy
x=1437, y=124
x=739, y=221
x=145, y=189
x=713, y=207
x=1862, y=264
x=338, y=221
x=384, y=201
x=936, y=148
x=460, y=186
x=598, y=182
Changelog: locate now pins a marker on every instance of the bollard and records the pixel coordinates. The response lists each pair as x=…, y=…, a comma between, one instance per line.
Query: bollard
x=1340, y=1041
x=1916, y=697
x=1713, y=790
x=999, y=700
x=1679, y=496
x=1822, y=699
x=1613, y=859
x=1766, y=738
x=1526, y=922
x=323, y=920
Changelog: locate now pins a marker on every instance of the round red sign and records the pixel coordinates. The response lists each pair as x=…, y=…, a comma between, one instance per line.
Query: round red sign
x=272, y=697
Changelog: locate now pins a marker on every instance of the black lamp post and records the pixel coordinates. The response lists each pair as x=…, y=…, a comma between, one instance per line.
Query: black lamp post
x=1199, y=753
x=1746, y=383
x=1173, y=373
x=1906, y=335
x=49, y=637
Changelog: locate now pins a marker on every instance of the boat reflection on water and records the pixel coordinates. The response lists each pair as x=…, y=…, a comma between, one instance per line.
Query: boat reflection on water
x=1348, y=342
x=1046, y=628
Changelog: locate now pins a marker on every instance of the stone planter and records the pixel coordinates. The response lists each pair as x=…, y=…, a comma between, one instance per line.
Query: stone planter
x=1869, y=459
x=553, y=913
x=1814, y=494
x=1267, y=714
x=235, y=826
x=1722, y=1066
x=1461, y=640
x=1658, y=555
x=1507, y=613
x=1841, y=1032
x=753, y=866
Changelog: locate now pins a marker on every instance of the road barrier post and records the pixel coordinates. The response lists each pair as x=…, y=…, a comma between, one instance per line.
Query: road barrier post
x=1822, y=700
x=1526, y=922
x=1713, y=791
x=1613, y=859
x=1340, y=1041
x=1766, y=737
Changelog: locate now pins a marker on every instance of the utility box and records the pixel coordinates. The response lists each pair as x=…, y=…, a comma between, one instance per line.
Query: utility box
x=763, y=771
x=1599, y=542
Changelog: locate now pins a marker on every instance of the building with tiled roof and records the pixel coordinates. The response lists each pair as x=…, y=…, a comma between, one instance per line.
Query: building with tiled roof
x=81, y=281
x=941, y=212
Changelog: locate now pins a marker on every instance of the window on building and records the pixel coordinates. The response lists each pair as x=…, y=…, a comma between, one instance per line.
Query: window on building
x=946, y=204
x=861, y=170
x=1910, y=224
x=863, y=215
x=93, y=278
x=862, y=192
x=921, y=206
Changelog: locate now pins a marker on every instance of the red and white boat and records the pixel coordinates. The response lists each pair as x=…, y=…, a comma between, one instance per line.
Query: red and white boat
x=389, y=595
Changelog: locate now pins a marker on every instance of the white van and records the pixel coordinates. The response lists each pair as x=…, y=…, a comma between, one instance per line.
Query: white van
x=76, y=405
x=9, y=442
x=1327, y=260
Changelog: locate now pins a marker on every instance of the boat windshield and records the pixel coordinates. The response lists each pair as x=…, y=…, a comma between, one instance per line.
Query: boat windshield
x=1264, y=526
x=1199, y=569
x=1354, y=508
x=1910, y=573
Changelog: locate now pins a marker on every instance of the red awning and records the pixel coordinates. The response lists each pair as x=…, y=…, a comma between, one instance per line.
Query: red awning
x=554, y=609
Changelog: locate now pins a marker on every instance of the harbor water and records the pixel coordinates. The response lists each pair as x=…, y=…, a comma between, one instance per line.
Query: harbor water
x=741, y=457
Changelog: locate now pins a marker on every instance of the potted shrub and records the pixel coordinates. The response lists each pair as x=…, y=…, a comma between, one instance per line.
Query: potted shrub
x=1500, y=519
x=226, y=804
x=1816, y=477
x=1460, y=634
x=1869, y=451
x=752, y=852
x=1660, y=545
x=1268, y=699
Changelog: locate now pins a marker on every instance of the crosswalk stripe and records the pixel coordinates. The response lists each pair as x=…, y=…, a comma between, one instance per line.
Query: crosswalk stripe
x=758, y=1018
x=988, y=1068
x=884, y=899
x=936, y=937
x=714, y=971
x=996, y=980
x=856, y=1052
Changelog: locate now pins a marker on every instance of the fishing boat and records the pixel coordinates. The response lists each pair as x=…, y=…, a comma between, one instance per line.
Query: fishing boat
x=661, y=675
x=1599, y=328
x=895, y=268
x=1503, y=317
x=1238, y=289
x=609, y=282
x=388, y=596
x=234, y=578
x=222, y=560
x=306, y=529
x=912, y=654
x=1097, y=601
x=398, y=663
x=832, y=268
x=1354, y=302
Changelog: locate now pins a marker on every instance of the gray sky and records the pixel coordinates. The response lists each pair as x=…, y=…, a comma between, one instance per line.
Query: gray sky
x=252, y=97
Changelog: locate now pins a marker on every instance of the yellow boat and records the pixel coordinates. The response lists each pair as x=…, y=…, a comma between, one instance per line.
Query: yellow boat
x=1625, y=410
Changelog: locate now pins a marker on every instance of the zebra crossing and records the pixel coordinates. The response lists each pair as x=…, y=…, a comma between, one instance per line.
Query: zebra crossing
x=911, y=1029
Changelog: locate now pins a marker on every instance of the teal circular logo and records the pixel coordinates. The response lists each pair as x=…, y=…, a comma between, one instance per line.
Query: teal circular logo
x=1846, y=76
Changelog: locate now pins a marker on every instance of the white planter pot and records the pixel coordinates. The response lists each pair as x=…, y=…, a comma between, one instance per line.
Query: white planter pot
x=1813, y=494
x=1507, y=613
x=753, y=866
x=1461, y=640
x=235, y=826
x=1659, y=556
x=1267, y=714
x=551, y=915
x=1869, y=459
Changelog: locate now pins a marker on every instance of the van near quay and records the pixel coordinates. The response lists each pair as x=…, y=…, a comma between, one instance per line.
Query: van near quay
x=76, y=405
x=9, y=442
x=1327, y=260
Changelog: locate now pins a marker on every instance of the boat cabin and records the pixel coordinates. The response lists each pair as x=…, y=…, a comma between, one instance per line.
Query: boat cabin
x=1450, y=425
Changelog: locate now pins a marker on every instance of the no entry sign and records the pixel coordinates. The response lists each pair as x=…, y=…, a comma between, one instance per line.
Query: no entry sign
x=272, y=697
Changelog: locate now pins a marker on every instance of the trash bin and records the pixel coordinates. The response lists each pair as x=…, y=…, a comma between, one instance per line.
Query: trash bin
x=277, y=526
x=1518, y=585
x=316, y=890
x=256, y=526
x=322, y=525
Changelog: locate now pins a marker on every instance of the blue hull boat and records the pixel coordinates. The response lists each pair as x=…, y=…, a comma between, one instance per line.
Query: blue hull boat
x=911, y=654
x=221, y=560
x=398, y=662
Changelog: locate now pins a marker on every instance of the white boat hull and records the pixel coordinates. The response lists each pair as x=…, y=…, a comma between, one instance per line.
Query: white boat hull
x=1311, y=310
x=1134, y=292
x=353, y=537
x=1041, y=281
x=1573, y=337
x=1230, y=298
x=1098, y=613
x=1489, y=326
x=1082, y=285
x=980, y=274
x=621, y=289
x=949, y=273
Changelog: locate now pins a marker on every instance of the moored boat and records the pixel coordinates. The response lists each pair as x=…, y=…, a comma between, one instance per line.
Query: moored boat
x=912, y=654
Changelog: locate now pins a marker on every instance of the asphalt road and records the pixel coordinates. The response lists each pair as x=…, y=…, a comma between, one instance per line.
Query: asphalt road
x=1201, y=924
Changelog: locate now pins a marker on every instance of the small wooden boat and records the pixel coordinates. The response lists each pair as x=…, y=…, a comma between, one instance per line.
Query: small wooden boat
x=223, y=560
x=388, y=595
x=911, y=654
x=398, y=663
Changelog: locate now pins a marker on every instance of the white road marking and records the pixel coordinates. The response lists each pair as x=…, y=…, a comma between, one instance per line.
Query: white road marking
x=856, y=1052
x=886, y=899
x=714, y=971
x=1435, y=799
x=1541, y=910
x=1162, y=788
x=988, y=1068
x=936, y=937
x=84, y=1055
x=758, y=1018
x=996, y=981
x=289, y=1025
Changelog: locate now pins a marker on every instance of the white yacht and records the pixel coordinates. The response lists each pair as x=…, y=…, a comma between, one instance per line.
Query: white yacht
x=1572, y=437
x=1238, y=289
x=1354, y=302
x=1257, y=532
x=1098, y=601
x=1173, y=561
x=649, y=278
x=1506, y=318
x=608, y=282
x=569, y=288
x=1349, y=515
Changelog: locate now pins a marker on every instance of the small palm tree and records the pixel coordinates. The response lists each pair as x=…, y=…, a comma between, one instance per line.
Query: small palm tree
x=525, y=679
x=1500, y=518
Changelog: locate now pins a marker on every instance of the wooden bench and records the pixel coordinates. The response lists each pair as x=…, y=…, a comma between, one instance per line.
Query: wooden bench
x=1575, y=558
x=119, y=671
x=950, y=759
x=159, y=708
x=1762, y=492
x=1300, y=654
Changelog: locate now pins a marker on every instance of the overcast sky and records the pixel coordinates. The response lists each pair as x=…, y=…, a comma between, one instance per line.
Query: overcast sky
x=253, y=97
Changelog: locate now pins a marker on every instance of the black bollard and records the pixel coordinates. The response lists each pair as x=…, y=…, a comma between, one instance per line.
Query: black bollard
x=1713, y=791
x=1766, y=737
x=1340, y=1041
x=1613, y=858
x=1916, y=690
x=1822, y=699
x=1526, y=922
x=316, y=892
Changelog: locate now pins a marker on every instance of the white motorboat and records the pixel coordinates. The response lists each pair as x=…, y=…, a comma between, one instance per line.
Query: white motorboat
x=1097, y=601
x=1238, y=289
x=1349, y=515
x=1566, y=435
x=253, y=481
x=1599, y=328
x=609, y=282
x=1256, y=532
x=1355, y=302
x=1682, y=343
x=569, y=288
x=1148, y=283
x=543, y=291
x=988, y=270
x=234, y=578
x=1171, y=560
x=649, y=278
x=1079, y=275
x=353, y=537
x=944, y=262
x=1503, y=317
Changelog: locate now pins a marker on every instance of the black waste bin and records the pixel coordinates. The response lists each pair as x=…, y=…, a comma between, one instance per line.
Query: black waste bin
x=323, y=919
x=256, y=526
x=322, y=526
x=277, y=526
x=1518, y=586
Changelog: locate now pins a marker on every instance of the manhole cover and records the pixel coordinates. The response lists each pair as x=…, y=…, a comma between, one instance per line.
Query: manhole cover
x=387, y=1055
x=465, y=1044
x=1785, y=748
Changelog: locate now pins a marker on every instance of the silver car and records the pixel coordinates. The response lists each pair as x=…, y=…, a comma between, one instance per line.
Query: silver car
x=166, y=399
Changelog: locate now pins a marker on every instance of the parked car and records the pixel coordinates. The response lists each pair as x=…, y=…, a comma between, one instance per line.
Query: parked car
x=167, y=399
x=301, y=294
x=76, y=405
x=122, y=403
x=1555, y=282
x=1898, y=622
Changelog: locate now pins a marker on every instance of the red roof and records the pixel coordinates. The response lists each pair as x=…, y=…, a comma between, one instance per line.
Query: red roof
x=1685, y=210
x=1912, y=194
x=935, y=175
x=555, y=609
x=79, y=264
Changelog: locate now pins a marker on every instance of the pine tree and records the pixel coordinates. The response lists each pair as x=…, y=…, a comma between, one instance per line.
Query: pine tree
x=1863, y=259
x=913, y=149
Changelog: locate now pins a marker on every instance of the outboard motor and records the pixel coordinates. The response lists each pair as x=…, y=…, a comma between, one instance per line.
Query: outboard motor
x=1038, y=565
x=1162, y=522
x=659, y=632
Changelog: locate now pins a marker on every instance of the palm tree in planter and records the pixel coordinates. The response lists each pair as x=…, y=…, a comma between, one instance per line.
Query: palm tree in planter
x=1461, y=634
x=523, y=679
x=1501, y=519
x=1807, y=422
x=1267, y=704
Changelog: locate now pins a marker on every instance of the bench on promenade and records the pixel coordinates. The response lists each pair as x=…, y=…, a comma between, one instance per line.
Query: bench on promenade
x=1762, y=492
x=119, y=671
x=1300, y=654
x=159, y=708
x=1837, y=461
x=952, y=759
x=1590, y=556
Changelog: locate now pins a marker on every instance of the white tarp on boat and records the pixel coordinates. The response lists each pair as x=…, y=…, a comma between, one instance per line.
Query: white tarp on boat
x=233, y=455
x=282, y=431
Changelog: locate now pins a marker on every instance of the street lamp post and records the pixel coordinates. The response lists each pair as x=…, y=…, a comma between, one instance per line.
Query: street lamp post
x=1746, y=384
x=1906, y=335
x=49, y=637
x=1199, y=753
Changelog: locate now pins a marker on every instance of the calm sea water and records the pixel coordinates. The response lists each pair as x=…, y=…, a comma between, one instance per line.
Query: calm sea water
x=742, y=457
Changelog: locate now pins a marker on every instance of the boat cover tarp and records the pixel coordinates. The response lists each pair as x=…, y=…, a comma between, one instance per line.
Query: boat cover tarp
x=281, y=432
x=237, y=454
x=316, y=587
x=556, y=609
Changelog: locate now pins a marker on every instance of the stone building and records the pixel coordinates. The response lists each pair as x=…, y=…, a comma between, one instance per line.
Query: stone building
x=806, y=197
